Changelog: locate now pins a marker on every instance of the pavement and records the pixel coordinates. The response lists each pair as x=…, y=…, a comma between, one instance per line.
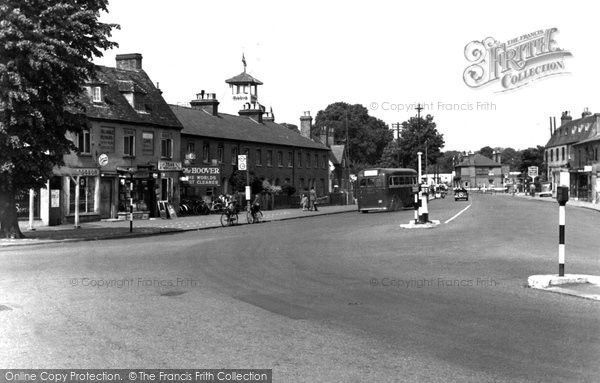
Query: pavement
x=571, y=202
x=112, y=229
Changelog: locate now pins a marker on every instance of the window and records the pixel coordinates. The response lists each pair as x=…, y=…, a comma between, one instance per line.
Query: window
x=308, y=160
x=166, y=148
x=129, y=142
x=87, y=187
x=269, y=158
x=324, y=164
x=83, y=142
x=220, y=151
x=300, y=159
x=205, y=152
x=290, y=159
x=234, y=155
x=563, y=153
x=258, y=157
x=316, y=160
x=596, y=154
x=147, y=143
x=246, y=152
x=551, y=155
x=191, y=147
x=96, y=94
x=280, y=159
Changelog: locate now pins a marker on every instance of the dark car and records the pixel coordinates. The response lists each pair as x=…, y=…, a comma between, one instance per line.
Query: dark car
x=461, y=193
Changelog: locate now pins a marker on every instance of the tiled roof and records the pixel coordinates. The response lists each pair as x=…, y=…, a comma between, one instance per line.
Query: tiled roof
x=570, y=133
x=588, y=140
x=115, y=107
x=243, y=78
x=337, y=154
x=477, y=160
x=197, y=122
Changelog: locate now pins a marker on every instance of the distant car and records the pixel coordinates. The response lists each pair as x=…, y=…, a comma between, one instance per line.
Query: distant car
x=461, y=193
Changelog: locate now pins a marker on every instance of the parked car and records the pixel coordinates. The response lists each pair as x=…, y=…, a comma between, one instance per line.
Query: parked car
x=461, y=193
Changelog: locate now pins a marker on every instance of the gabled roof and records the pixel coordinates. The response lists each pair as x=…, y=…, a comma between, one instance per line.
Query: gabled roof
x=565, y=135
x=198, y=122
x=114, y=105
x=477, y=160
x=243, y=78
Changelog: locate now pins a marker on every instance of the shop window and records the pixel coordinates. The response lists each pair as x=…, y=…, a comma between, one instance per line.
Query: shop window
x=129, y=143
x=87, y=187
x=84, y=142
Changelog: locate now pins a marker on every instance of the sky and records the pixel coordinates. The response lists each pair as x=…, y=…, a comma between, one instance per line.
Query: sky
x=384, y=55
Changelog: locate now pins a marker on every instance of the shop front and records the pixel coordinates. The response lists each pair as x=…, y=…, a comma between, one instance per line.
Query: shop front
x=200, y=182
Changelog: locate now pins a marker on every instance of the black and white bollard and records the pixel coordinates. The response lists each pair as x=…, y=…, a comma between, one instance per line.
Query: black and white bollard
x=417, y=207
x=562, y=196
x=424, y=214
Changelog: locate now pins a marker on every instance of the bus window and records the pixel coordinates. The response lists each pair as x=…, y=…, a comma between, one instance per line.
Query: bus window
x=378, y=182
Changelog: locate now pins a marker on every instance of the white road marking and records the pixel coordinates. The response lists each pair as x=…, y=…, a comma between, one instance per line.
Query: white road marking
x=459, y=213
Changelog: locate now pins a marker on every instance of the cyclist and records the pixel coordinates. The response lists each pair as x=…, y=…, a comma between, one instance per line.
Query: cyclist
x=255, y=207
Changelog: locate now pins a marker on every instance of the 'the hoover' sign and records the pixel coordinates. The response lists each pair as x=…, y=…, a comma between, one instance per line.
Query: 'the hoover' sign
x=202, y=175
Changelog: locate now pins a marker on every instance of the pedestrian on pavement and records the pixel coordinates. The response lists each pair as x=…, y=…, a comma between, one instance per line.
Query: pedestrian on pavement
x=313, y=199
x=304, y=202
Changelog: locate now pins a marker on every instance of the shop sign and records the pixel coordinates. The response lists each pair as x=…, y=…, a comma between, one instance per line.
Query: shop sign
x=169, y=166
x=91, y=172
x=203, y=175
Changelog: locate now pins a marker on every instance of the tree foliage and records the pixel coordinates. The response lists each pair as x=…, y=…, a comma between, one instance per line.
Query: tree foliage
x=46, y=52
x=486, y=151
x=367, y=135
x=420, y=135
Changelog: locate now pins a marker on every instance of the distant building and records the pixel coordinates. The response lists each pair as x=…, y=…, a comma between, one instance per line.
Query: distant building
x=572, y=155
x=477, y=171
x=131, y=137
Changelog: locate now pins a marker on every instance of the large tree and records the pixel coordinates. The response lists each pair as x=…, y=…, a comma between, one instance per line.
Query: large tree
x=46, y=52
x=446, y=162
x=420, y=135
x=486, y=151
x=532, y=157
x=367, y=135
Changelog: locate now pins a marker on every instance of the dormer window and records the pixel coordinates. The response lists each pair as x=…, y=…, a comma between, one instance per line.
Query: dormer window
x=96, y=94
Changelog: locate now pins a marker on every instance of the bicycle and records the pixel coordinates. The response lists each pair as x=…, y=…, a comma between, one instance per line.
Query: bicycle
x=254, y=215
x=229, y=217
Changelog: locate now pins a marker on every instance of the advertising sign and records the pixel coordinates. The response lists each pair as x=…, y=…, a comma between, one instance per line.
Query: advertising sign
x=202, y=175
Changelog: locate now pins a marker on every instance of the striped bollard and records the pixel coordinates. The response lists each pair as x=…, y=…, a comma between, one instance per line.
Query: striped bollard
x=424, y=217
x=417, y=207
x=562, y=196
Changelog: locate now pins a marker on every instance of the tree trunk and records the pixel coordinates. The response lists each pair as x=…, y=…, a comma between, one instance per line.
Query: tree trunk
x=9, y=223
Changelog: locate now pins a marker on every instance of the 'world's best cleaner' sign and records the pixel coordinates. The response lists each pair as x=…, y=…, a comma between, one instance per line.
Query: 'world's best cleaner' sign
x=203, y=175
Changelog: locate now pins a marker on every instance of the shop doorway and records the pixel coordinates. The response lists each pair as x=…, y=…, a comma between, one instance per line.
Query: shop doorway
x=106, y=198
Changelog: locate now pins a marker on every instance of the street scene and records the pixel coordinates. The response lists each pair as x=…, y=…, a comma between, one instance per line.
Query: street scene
x=274, y=192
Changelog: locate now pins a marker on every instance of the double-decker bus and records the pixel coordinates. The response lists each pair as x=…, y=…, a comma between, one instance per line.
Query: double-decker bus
x=385, y=189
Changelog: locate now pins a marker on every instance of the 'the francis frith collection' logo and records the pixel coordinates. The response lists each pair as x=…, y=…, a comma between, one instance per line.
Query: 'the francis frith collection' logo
x=515, y=63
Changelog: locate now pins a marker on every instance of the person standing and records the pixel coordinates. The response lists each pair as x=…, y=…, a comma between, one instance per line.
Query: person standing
x=313, y=199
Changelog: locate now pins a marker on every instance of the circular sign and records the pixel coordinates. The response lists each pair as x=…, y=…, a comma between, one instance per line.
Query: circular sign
x=103, y=159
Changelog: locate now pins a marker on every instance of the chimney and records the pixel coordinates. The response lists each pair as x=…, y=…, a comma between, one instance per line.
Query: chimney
x=207, y=102
x=306, y=125
x=586, y=112
x=565, y=118
x=269, y=116
x=497, y=156
x=129, y=61
x=253, y=110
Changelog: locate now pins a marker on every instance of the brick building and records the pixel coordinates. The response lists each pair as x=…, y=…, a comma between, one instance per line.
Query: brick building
x=477, y=171
x=131, y=137
x=211, y=142
x=571, y=155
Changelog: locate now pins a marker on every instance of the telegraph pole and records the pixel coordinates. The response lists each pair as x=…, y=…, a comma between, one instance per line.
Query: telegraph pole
x=419, y=109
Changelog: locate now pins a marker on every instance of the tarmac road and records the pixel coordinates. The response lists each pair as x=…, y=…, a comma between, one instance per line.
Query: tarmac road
x=348, y=297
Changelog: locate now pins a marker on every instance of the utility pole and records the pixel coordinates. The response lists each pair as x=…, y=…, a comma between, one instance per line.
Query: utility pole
x=397, y=126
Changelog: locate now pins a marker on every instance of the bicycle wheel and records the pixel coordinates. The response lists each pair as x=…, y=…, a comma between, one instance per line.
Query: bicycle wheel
x=249, y=217
x=233, y=218
x=224, y=219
